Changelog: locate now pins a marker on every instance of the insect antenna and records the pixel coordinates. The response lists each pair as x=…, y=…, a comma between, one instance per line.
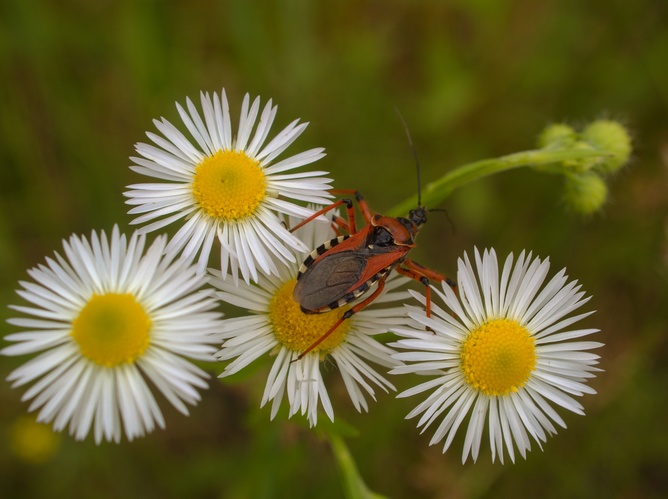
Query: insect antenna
x=447, y=215
x=417, y=161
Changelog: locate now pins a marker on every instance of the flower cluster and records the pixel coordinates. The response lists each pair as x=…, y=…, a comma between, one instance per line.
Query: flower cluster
x=585, y=186
x=116, y=320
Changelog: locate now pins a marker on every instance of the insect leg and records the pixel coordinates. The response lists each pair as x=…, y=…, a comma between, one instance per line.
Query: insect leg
x=340, y=223
x=349, y=209
x=423, y=274
x=418, y=276
x=361, y=202
x=347, y=315
x=431, y=274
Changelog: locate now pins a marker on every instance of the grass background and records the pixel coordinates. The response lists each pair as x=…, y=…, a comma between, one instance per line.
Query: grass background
x=81, y=81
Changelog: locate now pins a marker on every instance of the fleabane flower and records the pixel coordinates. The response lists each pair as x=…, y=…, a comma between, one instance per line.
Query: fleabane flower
x=277, y=326
x=505, y=355
x=109, y=321
x=226, y=186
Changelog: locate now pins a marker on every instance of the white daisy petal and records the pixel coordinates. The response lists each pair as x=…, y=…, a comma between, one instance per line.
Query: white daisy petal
x=281, y=142
x=179, y=140
x=246, y=121
x=522, y=317
x=166, y=154
x=263, y=127
x=192, y=121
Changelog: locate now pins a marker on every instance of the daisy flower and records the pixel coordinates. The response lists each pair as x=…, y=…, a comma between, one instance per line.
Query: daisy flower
x=226, y=187
x=105, y=320
x=276, y=325
x=504, y=355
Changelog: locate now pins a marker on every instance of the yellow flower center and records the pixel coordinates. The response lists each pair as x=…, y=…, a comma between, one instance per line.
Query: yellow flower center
x=112, y=329
x=498, y=357
x=297, y=330
x=229, y=185
x=32, y=442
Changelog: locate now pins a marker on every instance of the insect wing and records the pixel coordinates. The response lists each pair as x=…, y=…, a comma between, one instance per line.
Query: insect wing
x=325, y=283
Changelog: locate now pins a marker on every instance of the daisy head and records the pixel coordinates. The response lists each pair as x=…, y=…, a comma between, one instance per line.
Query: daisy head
x=503, y=352
x=104, y=321
x=225, y=186
x=277, y=326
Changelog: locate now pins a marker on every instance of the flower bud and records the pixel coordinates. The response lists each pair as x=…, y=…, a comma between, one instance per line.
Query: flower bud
x=585, y=193
x=609, y=136
x=557, y=134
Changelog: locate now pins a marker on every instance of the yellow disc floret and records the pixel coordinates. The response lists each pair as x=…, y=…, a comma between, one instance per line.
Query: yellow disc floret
x=112, y=329
x=31, y=442
x=229, y=185
x=498, y=357
x=298, y=331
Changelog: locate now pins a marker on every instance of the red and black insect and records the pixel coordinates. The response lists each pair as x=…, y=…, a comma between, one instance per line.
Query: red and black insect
x=345, y=268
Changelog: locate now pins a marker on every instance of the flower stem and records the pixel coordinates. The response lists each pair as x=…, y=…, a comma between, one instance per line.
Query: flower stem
x=437, y=191
x=354, y=486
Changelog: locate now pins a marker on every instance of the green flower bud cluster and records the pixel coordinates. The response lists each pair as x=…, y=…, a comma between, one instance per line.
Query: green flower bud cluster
x=585, y=188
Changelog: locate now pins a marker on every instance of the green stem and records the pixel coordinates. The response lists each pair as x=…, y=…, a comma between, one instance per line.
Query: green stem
x=354, y=486
x=437, y=191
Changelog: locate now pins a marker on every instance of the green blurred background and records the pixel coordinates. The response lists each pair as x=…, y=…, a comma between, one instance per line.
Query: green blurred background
x=81, y=81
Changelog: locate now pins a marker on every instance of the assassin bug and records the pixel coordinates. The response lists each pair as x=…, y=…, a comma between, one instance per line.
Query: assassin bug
x=348, y=266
